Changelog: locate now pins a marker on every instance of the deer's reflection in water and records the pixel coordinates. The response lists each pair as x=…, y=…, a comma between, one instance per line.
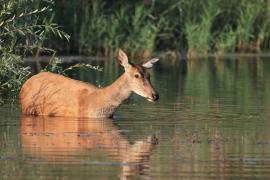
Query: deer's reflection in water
x=52, y=138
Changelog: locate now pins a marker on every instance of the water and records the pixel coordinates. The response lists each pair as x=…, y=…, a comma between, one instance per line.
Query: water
x=212, y=122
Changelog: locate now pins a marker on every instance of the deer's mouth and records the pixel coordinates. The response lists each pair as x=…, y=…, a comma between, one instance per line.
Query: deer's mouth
x=150, y=99
x=153, y=98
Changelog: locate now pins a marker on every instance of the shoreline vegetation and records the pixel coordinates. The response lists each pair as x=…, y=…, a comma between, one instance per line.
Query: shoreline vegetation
x=24, y=27
x=187, y=27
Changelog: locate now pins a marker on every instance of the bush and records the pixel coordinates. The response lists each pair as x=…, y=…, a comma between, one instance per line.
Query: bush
x=24, y=27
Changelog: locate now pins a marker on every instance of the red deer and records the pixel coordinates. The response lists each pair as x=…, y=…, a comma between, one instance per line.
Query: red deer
x=55, y=95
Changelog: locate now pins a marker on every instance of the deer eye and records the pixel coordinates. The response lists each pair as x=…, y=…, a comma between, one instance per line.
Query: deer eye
x=137, y=75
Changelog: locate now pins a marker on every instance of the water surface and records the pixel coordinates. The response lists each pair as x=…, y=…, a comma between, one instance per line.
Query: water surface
x=212, y=121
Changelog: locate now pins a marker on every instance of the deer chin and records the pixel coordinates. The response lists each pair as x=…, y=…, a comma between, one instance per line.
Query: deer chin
x=150, y=99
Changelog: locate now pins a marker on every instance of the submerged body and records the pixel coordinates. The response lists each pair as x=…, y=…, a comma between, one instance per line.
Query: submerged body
x=63, y=139
x=55, y=95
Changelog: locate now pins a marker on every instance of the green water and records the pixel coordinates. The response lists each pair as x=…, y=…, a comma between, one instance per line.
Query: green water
x=212, y=122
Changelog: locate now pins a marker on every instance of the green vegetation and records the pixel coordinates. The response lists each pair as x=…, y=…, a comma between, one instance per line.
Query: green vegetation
x=193, y=27
x=24, y=27
x=102, y=34
x=198, y=29
x=56, y=66
x=99, y=28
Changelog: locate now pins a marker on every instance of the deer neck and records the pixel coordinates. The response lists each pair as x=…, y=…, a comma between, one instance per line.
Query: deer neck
x=115, y=94
x=118, y=91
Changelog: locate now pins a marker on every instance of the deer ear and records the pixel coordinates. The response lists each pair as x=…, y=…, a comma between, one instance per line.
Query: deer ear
x=123, y=59
x=150, y=63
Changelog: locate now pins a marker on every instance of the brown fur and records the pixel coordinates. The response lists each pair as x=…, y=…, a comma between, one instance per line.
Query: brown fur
x=51, y=94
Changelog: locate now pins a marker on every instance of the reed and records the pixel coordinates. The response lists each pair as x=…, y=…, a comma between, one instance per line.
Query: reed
x=198, y=26
x=192, y=27
x=103, y=33
x=225, y=42
x=263, y=28
x=245, y=31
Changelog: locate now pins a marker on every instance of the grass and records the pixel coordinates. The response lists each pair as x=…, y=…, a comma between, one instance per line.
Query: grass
x=245, y=26
x=192, y=27
x=198, y=28
x=103, y=34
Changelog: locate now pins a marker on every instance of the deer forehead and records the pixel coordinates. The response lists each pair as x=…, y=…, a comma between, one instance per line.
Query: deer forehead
x=139, y=69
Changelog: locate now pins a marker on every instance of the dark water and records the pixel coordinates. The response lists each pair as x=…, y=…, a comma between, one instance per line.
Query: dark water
x=212, y=122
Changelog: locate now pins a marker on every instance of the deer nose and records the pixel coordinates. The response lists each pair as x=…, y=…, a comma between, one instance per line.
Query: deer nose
x=155, y=97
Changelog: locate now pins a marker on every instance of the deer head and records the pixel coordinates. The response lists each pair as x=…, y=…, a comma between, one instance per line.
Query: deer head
x=138, y=78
